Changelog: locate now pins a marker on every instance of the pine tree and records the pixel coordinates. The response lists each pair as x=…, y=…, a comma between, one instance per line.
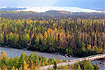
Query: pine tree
x=79, y=68
x=55, y=65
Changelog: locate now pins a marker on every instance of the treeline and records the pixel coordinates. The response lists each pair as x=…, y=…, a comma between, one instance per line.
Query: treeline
x=25, y=62
x=51, y=14
x=84, y=65
x=80, y=37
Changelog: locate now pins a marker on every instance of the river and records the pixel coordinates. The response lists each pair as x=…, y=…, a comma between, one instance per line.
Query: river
x=16, y=52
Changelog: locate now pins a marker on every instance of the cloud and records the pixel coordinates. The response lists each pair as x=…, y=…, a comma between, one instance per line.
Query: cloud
x=27, y=3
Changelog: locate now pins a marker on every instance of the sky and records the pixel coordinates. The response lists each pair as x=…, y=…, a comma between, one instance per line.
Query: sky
x=87, y=4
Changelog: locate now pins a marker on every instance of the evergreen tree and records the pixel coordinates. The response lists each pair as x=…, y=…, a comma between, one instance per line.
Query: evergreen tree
x=55, y=65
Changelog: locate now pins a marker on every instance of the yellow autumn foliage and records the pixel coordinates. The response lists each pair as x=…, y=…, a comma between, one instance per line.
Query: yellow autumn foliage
x=25, y=66
x=89, y=47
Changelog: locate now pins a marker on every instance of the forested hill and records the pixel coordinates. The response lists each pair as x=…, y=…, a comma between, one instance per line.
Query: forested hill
x=51, y=14
x=76, y=37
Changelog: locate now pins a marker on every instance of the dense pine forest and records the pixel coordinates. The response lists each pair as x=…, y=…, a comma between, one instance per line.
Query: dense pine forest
x=76, y=37
x=52, y=34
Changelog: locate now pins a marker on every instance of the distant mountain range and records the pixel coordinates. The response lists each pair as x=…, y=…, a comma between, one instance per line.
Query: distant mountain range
x=51, y=9
x=11, y=9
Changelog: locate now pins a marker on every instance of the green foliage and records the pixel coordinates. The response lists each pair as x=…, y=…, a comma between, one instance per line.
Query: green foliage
x=88, y=65
x=25, y=62
x=79, y=37
x=79, y=68
x=84, y=65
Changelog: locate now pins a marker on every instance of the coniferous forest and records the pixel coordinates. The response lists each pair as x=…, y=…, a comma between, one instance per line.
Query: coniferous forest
x=52, y=34
x=34, y=62
x=74, y=36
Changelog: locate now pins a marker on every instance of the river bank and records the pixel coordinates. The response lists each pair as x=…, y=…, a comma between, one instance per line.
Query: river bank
x=16, y=52
x=100, y=63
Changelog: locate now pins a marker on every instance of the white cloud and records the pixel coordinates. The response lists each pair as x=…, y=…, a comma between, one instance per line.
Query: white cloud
x=71, y=9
